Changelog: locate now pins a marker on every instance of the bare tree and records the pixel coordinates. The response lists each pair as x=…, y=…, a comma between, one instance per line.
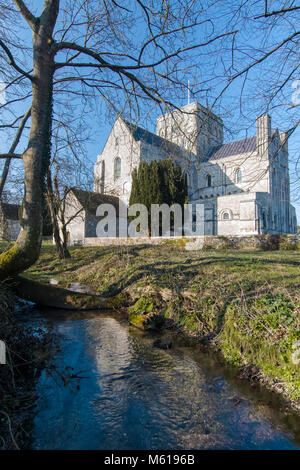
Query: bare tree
x=69, y=166
x=130, y=55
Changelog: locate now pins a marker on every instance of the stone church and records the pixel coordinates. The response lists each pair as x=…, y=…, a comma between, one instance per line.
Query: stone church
x=243, y=185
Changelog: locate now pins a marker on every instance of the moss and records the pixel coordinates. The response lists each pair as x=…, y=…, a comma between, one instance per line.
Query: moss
x=169, y=310
x=208, y=247
x=119, y=300
x=262, y=332
x=142, y=306
x=176, y=243
x=136, y=319
x=19, y=257
x=189, y=322
x=290, y=244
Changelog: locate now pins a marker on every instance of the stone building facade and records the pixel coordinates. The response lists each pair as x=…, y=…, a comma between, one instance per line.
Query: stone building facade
x=127, y=146
x=9, y=221
x=243, y=185
x=80, y=209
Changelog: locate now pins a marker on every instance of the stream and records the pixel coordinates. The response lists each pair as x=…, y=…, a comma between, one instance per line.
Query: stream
x=107, y=387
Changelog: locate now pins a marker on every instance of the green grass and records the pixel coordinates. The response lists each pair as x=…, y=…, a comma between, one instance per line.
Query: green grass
x=246, y=303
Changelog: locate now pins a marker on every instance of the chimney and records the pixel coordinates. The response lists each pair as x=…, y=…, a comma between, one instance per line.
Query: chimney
x=263, y=134
x=284, y=141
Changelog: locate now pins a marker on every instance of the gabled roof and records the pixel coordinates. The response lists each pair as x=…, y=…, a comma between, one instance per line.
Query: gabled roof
x=233, y=148
x=10, y=211
x=237, y=147
x=140, y=134
x=90, y=200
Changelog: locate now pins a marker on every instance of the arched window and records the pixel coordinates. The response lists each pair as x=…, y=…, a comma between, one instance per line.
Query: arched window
x=195, y=179
x=238, y=176
x=117, y=168
x=208, y=181
x=226, y=214
x=264, y=220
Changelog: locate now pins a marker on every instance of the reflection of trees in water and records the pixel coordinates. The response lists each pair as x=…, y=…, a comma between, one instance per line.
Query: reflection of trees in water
x=111, y=343
x=151, y=398
x=141, y=397
x=153, y=394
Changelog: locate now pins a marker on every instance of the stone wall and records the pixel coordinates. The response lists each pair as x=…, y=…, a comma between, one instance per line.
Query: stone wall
x=254, y=242
x=76, y=227
x=14, y=228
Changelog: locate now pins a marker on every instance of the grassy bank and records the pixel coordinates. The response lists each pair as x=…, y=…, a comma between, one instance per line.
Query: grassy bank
x=246, y=304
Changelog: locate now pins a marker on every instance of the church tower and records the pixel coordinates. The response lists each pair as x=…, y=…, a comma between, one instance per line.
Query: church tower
x=193, y=127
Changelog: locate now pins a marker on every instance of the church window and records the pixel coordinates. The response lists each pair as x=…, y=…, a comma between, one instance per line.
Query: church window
x=195, y=179
x=238, y=176
x=226, y=215
x=117, y=167
x=208, y=181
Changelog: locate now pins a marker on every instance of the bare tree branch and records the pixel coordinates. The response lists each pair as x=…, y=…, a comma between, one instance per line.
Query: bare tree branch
x=10, y=155
x=26, y=13
x=277, y=12
x=12, y=149
x=13, y=63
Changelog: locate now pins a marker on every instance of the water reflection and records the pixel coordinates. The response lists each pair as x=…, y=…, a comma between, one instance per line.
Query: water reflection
x=137, y=397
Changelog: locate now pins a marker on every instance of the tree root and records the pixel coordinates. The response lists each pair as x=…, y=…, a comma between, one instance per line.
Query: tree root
x=57, y=297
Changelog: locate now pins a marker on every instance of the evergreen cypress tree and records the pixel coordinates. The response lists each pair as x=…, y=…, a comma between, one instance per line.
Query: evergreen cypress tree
x=158, y=182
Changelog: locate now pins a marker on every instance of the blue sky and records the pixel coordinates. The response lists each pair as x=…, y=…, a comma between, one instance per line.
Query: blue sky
x=238, y=106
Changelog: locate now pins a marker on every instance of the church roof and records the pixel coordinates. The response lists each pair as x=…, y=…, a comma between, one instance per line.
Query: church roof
x=233, y=148
x=138, y=133
x=10, y=211
x=90, y=200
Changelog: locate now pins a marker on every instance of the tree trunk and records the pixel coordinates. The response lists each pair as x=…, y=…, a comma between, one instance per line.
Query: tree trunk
x=61, y=247
x=26, y=250
x=57, y=297
x=65, y=241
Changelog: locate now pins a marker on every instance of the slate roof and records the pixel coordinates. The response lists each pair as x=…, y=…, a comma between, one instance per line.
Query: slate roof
x=222, y=151
x=90, y=200
x=233, y=148
x=10, y=211
x=138, y=133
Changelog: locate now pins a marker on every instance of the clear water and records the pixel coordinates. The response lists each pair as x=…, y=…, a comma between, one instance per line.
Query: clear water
x=134, y=396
